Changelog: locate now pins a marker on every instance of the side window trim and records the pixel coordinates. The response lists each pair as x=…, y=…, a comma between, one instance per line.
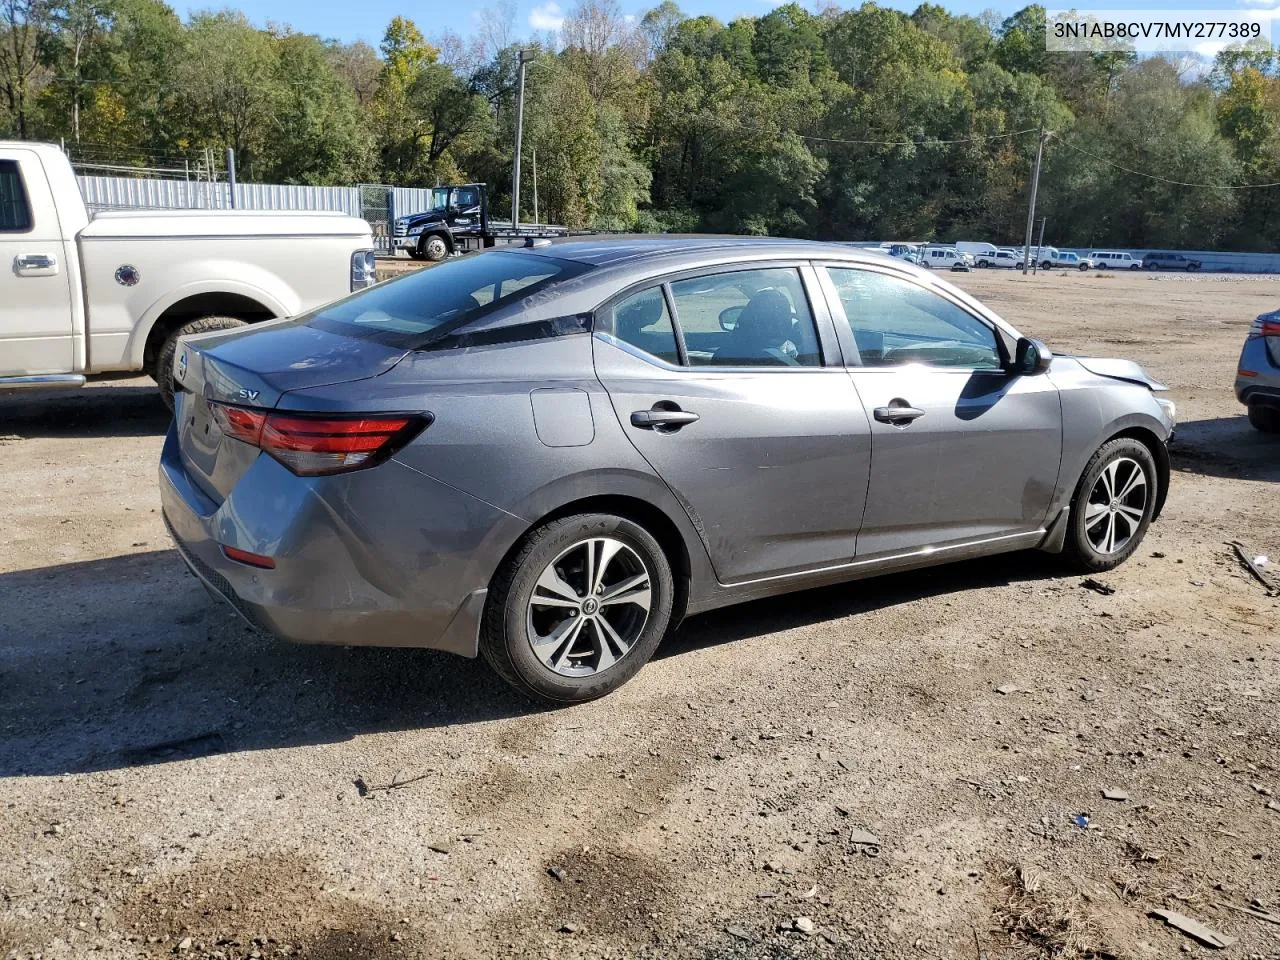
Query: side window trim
x=682, y=352
x=845, y=330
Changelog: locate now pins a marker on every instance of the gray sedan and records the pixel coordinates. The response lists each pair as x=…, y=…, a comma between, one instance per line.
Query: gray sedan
x=1258, y=373
x=549, y=456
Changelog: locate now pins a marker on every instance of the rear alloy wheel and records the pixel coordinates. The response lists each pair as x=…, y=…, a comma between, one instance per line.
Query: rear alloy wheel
x=1113, y=505
x=579, y=609
x=1264, y=418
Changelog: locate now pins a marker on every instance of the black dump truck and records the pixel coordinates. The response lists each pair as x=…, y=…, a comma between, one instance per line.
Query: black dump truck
x=458, y=222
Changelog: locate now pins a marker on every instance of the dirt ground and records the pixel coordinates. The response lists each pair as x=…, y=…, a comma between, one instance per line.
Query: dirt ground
x=172, y=783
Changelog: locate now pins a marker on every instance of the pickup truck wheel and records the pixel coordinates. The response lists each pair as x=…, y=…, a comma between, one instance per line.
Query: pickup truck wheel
x=435, y=248
x=162, y=372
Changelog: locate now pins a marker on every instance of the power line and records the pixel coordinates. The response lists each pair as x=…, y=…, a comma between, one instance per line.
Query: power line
x=922, y=143
x=1176, y=183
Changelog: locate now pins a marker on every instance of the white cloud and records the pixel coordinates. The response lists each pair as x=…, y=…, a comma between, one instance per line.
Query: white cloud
x=1255, y=3
x=548, y=16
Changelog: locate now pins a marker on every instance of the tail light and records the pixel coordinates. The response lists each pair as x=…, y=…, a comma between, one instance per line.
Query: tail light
x=1267, y=325
x=364, y=269
x=319, y=445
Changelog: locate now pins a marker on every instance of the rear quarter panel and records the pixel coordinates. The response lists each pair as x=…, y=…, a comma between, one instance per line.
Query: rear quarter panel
x=485, y=441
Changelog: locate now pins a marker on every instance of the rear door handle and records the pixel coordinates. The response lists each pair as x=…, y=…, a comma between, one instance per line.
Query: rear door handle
x=35, y=264
x=658, y=418
x=898, y=412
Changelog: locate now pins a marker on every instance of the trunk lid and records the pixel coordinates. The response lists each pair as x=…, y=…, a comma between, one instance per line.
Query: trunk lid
x=255, y=368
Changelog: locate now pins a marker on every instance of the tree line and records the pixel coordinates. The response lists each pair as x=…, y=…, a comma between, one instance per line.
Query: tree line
x=854, y=124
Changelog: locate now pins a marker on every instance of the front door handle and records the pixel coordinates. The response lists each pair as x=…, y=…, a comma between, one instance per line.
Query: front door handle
x=898, y=412
x=35, y=264
x=659, y=418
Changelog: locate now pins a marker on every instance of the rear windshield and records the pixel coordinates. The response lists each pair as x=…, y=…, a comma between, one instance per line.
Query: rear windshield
x=416, y=309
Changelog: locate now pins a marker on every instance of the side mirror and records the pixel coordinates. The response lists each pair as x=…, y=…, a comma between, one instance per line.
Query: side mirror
x=1032, y=357
x=729, y=318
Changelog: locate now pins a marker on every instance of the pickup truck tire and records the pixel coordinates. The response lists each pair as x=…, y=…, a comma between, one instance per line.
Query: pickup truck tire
x=435, y=247
x=162, y=372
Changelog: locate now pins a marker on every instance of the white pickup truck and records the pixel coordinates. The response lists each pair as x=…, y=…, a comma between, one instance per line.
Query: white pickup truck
x=112, y=294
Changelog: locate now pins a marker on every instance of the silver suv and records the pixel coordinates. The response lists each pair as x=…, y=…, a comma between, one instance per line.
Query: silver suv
x=1258, y=373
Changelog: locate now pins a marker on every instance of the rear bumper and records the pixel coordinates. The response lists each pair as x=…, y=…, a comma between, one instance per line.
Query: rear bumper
x=1264, y=385
x=349, y=569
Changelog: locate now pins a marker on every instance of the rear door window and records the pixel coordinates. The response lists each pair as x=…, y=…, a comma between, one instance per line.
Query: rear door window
x=15, y=212
x=747, y=318
x=418, y=308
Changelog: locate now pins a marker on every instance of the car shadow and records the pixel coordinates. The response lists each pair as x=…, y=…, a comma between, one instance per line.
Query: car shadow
x=849, y=599
x=100, y=410
x=127, y=661
x=1226, y=447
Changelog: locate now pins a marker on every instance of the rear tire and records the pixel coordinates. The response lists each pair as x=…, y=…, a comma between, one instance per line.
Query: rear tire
x=1264, y=418
x=542, y=631
x=162, y=372
x=1112, y=506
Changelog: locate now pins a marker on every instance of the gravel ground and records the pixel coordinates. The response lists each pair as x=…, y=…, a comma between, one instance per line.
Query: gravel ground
x=904, y=767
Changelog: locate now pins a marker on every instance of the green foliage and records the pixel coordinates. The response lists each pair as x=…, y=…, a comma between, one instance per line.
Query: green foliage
x=864, y=123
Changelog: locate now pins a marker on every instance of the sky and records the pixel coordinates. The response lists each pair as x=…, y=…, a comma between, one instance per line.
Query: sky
x=367, y=20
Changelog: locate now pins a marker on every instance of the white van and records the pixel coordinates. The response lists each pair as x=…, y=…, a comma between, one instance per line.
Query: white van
x=1114, y=260
x=943, y=258
x=1045, y=257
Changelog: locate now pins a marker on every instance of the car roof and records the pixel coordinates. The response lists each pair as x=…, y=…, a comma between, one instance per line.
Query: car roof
x=616, y=251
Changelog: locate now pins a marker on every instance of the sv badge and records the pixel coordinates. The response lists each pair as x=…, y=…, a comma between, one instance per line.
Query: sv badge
x=247, y=394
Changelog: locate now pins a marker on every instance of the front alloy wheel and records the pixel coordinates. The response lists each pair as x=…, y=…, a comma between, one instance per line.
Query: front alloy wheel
x=579, y=609
x=1113, y=505
x=1117, y=506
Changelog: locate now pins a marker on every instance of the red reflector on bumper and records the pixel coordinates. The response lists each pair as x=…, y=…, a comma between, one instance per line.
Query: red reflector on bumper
x=1246, y=373
x=252, y=559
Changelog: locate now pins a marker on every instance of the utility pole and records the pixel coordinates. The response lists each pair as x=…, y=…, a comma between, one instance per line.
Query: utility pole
x=1031, y=207
x=525, y=57
x=231, y=175
x=535, y=186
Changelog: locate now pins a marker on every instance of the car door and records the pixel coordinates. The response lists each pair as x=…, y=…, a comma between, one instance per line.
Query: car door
x=36, y=323
x=729, y=382
x=962, y=451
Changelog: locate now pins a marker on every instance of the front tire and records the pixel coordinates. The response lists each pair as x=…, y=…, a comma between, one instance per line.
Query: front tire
x=1264, y=418
x=434, y=248
x=1112, y=506
x=162, y=372
x=579, y=608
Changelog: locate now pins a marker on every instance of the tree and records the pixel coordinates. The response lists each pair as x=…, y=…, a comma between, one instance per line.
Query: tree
x=230, y=84
x=23, y=23
x=319, y=135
